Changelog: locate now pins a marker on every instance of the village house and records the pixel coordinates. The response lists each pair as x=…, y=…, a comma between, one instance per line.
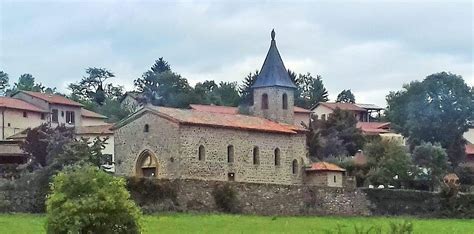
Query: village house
x=26, y=109
x=218, y=143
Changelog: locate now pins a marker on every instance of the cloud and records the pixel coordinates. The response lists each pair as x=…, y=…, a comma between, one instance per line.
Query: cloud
x=369, y=47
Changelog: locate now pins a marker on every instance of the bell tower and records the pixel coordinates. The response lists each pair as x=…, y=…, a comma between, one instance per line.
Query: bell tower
x=273, y=90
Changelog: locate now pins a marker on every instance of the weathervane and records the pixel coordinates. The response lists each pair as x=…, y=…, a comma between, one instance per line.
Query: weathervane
x=273, y=34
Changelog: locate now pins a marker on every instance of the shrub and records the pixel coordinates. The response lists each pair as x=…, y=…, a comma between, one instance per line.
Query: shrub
x=153, y=195
x=226, y=198
x=88, y=200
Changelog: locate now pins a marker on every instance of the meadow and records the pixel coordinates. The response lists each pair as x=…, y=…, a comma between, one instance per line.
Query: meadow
x=219, y=223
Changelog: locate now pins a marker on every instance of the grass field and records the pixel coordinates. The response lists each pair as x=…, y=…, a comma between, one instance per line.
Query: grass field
x=187, y=223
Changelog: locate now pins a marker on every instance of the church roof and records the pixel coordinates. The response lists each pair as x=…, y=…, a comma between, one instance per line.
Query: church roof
x=215, y=119
x=273, y=72
x=234, y=110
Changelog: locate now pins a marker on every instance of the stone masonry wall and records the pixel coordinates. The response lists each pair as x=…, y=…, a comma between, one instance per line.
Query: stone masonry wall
x=264, y=199
x=275, y=103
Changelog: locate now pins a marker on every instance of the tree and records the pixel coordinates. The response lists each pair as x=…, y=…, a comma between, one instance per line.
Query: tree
x=162, y=87
x=246, y=93
x=310, y=91
x=434, y=159
x=92, y=87
x=438, y=109
x=3, y=82
x=346, y=96
x=389, y=163
x=26, y=82
x=85, y=199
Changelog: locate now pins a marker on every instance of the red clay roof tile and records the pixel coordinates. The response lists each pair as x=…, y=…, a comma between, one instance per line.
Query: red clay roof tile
x=233, y=110
x=91, y=114
x=53, y=98
x=324, y=166
x=14, y=103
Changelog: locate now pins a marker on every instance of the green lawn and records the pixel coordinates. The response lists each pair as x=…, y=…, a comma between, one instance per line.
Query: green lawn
x=188, y=223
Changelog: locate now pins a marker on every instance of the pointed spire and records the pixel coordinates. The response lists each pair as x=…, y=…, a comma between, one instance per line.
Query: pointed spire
x=273, y=72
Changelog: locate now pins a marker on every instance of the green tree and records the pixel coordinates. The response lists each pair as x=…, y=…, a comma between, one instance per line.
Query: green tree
x=246, y=93
x=434, y=159
x=93, y=88
x=310, y=91
x=3, y=82
x=26, y=82
x=346, y=96
x=437, y=109
x=87, y=200
x=343, y=124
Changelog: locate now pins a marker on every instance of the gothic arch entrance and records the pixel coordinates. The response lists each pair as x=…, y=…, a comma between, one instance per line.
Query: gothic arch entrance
x=147, y=165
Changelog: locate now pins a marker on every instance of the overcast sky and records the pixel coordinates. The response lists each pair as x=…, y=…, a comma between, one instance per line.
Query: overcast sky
x=371, y=47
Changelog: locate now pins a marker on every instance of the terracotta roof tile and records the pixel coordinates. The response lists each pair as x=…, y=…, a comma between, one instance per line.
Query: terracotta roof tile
x=14, y=103
x=469, y=149
x=374, y=127
x=233, y=110
x=324, y=166
x=91, y=114
x=94, y=130
x=223, y=120
x=342, y=106
x=53, y=98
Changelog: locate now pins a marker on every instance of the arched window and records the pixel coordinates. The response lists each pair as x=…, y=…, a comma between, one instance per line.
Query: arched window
x=202, y=153
x=256, y=159
x=230, y=154
x=264, y=101
x=285, y=101
x=294, y=166
x=146, y=128
x=277, y=157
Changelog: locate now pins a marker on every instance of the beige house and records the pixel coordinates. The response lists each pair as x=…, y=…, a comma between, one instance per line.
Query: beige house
x=216, y=143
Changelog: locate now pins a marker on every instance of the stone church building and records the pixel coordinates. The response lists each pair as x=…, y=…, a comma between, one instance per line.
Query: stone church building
x=264, y=146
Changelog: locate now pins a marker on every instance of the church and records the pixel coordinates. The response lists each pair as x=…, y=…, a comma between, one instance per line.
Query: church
x=264, y=145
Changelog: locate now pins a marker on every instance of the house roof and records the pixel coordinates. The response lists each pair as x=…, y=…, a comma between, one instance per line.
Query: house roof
x=53, y=98
x=14, y=103
x=324, y=166
x=91, y=114
x=233, y=110
x=369, y=106
x=216, y=119
x=273, y=72
x=342, y=106
x=373, y=127
x=95, y=130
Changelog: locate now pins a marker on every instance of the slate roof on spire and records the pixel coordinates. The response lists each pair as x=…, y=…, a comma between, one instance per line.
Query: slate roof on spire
x=273, y=72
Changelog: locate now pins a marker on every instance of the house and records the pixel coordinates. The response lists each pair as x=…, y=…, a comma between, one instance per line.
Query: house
x=324, y=174
x=103, y=132
x=382, y=130
x=217, y=143
x=362, y=112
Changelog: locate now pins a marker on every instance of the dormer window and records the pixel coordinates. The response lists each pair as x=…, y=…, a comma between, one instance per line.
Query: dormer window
x=264, y=101
x=285, y=101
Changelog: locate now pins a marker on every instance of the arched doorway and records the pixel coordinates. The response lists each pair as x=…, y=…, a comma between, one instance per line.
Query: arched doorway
x=147, y=165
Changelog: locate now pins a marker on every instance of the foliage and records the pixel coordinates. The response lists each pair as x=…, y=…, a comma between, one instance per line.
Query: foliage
x=93, y=88
x=88, y=200
x=224, y=94
x=310, y=91
x=3, y=82
x=346, y=96
x=434, y=159
x=149, y=193
x=436, y=109
x=225, y=198
x=389, y=163
x=455, y=204
x=246, y=93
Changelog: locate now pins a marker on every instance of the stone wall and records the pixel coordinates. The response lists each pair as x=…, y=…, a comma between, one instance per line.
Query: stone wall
x=275, y=109
x=261, y=199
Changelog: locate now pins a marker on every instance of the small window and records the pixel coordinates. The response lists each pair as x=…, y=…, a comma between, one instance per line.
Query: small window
x=43, y=116
x=334, y=179
x=70, y=118
x=107, y=159
x=202, y=153
x=264, y=101
x=54, y=116
x=294, y=166
x=285, y=101
x=277, y=157
x=25, y=114
x=323, y=116
x=9, y=125
x=62, y=113
x=146, y=128
x=230, y=154
x=256, y=157
x=231, y=176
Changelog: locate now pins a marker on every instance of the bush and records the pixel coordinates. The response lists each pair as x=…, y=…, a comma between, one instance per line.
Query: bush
x=226, y=198
x=88, y=200
x=153, y=195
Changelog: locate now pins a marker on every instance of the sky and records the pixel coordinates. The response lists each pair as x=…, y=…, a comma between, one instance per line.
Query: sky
x=370, y=47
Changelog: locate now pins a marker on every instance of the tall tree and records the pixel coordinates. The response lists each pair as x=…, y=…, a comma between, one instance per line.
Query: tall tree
x=3, y=82
x=246, y=93
x=434, y=159
x=92, y=87
x=346, y=96
x=438, y=109
x=310, y=91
